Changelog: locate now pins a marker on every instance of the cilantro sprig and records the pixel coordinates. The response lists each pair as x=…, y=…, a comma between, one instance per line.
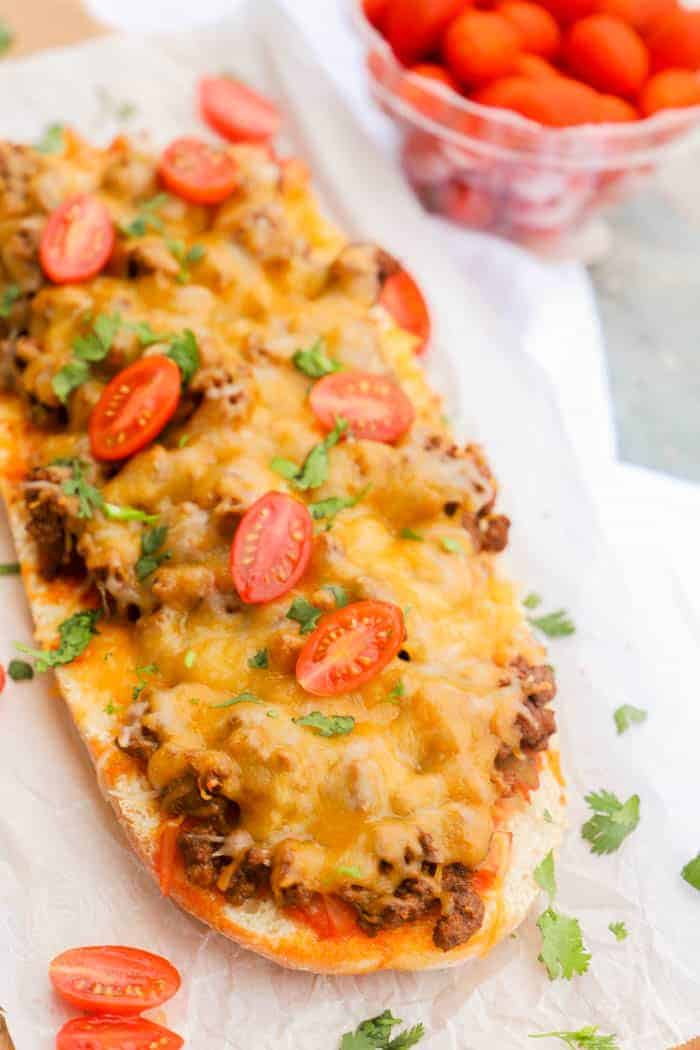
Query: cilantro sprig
x=612, y=822
x=90, y=498
x=88, y=349
x=184, y=351
x=618, y=930
x=152, y=556
x=185, y=257
x=260, y=661
x=315, y=362
x=583, y=1039
x=147, y=217
x=305, y=614
x=563, y=951
x=332, y=506
x=327, y=725
x=314, y=470
x=375, y=1034
x=74, y=636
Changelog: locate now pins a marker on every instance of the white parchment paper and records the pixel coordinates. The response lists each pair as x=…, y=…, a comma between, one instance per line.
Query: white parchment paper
x=66, y=875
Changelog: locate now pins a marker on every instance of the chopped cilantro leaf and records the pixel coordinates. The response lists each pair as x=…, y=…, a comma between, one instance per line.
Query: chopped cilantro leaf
x=272, y=714
x=242, y=698
x=691, y=872
x=140, y=674
x=349, y=871
x=52, y=140
x=190, y=658
x=185, y=353
x=151, y=555
x=327, y=725
x=398, y=691
x=339, y=593
x=314, y=470
x=612, y=823
x=261, y=660
x=618, y=930
x=6, y=36
x=9, y=568
x=110, y=708
x=583, y=1039
x=145, y=334
x=563, y=951
x=315, y=362
x=547, y=817
x=555, y=624
x=305, y=614
x=74, y=636
x=147, y=217
x=11, y=293
x=532, y=601
x=89, y=497
x=450, y=545
x=20, y=670
x=328, y=508
x=627, y=716
x=87, y=349
x=185, y=257
x=69, y=378
x=375, y=1034
x=545, y=877
x=182, y=440
x=409, y=534
x=115, y=513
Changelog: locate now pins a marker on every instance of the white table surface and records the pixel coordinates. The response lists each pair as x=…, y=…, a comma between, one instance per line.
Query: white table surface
x=651, y=520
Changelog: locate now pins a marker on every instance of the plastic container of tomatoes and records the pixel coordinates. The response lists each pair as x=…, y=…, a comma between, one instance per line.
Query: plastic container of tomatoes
x=494, y=170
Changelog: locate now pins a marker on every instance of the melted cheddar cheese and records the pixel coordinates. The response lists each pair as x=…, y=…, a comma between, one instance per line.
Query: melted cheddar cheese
x=274, y=277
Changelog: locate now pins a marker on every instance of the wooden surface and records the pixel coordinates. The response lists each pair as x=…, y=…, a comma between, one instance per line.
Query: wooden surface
x=38, y=24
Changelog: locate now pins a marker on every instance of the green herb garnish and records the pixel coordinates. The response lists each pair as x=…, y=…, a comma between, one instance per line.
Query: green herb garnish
x=411, y=534
x=339, y=593
x=618, y=930
x=20, y=670
x=242, y=698
x=185, y=257
x=691, y=872
x=532, y=601
x=328, y=508
x=315, y=362
x=450, y=545
x=563, y=951
x=147, y=217
x=6, y=36
x=87, y=350
x=555, y=624
x=305, y=614
x=151, y=555
x=545, y=877
x=11, y=293
x=10, y=568
x=612, y=823
x=375, y=1034
x=583, y=1039
x=74, y=636
x=260, y=661
x=627, y=716
x=327, y=725
x=52, y=140
x=314, y=470
x=185, y=353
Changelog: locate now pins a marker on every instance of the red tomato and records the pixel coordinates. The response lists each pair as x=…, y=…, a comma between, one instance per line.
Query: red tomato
x=271, y=548
x=349, y=647
x=113, y=980
x=674, y=41
x=167, y=855
x=607, y=54
x=404, y=300
x=77, y=240
x=134, y=407
x=481, y=46
x=374, y=406
x=236, y=111
x=414, y=28
x=375, y=10
x=197, y=172
x=3, y=678
x=672, y=89
x=113, y=1033
x=538, y=29
x=328, y=916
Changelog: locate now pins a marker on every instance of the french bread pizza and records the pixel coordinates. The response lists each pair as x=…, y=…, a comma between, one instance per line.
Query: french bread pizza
x=264, y=572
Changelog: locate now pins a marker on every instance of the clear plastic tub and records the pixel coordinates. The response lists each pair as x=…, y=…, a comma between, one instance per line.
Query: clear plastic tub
x=492, y=169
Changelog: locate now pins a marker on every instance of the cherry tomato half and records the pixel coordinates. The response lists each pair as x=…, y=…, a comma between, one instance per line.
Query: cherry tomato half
x=349, y=647
x=271, y=548
x=113, y=980
x=77, y=240
x=236, y=111
x=197, y=172
x=134, y=407
x=374, y=406
x=403, y=299
x=327, y=916
x=114, y=1033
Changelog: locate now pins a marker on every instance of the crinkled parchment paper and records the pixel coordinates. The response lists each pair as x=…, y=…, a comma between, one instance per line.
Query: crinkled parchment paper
x=66, y=875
